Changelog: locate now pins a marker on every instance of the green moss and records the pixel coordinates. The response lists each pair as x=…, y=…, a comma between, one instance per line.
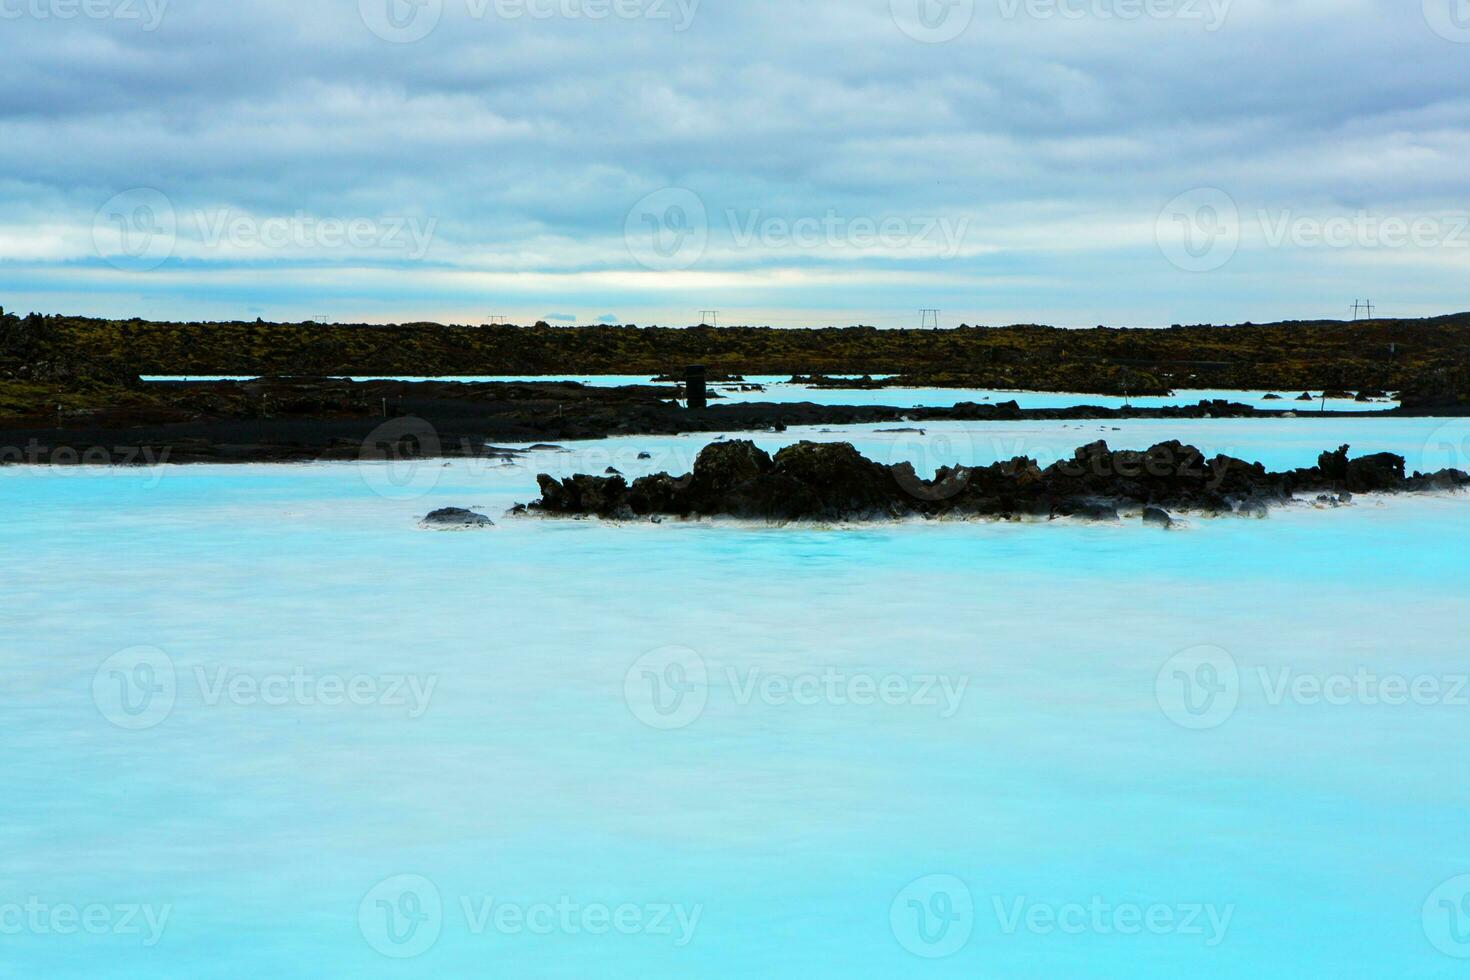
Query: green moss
x=1388, y=354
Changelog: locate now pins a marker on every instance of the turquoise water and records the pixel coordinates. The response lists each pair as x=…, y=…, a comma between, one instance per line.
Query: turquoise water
x=580, y=749
x=777, y=390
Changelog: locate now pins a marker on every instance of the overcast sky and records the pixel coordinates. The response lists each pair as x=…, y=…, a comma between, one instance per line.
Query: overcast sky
x=1128, y=162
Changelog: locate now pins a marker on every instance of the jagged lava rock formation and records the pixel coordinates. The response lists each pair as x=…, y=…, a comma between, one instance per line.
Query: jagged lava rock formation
x=812, y=481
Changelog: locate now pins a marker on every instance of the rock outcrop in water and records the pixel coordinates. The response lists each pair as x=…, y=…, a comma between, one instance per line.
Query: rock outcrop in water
x=834, y=482
x=455, y=519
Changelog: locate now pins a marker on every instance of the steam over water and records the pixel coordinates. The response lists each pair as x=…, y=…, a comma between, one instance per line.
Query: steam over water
x=258, y=722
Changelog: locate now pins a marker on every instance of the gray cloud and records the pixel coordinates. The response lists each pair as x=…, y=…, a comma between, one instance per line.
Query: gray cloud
x=527, y=141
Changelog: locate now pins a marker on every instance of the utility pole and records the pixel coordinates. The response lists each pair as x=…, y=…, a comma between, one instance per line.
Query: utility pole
x=1361, y=307
x=496, y=320
x=928, y=318
x=709, y=317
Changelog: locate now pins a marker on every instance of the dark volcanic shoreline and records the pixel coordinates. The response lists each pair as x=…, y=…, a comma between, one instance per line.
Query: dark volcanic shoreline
x=1424, y=358
x=70, y=390
x=303, y=420
x=833, y=482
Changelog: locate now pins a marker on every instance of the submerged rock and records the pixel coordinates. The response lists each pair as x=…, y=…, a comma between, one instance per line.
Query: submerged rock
x=1089, y=511
x=1157, y=517
x=455, y=519
x=834, y=482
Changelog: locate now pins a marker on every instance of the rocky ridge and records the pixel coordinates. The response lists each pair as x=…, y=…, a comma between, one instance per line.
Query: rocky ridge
x=833, y=482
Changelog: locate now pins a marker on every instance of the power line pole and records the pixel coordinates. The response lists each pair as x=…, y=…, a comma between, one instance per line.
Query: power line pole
x=497, y=320
x=709, y=317
x=928, y=318
x=1362, y=306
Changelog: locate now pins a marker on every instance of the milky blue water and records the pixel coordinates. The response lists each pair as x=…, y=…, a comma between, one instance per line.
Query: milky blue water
x=778, y=390
x=662, y=750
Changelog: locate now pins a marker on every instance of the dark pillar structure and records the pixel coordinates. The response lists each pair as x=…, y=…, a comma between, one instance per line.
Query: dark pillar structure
x=696, y=386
